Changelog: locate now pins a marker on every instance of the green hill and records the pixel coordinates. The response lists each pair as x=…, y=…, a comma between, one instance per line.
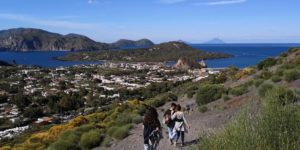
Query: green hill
x=170, y=51
x=25, y=39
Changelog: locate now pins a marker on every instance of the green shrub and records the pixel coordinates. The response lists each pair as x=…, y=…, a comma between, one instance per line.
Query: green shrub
x=269, y=62
x=226, y=98
x=265, y=75
x=283, y=54
x=190, y=94
x=91, y=139
x=111, y=130
x=239, y=90
x=258, y=82
x=218, y=79
x=136, y=118
x=287, y=66
x=293, y=50
x=119, y=132
x=64, y=145
x=279, y=72
x=106, y=142
x=264, y=88
x=276, y=79
x=127, y=118
x=161, y=99
x=296, y=61
x=203, y=109
x=291, y=75
x=70, y=136
x=277, y=127
x=208, y=93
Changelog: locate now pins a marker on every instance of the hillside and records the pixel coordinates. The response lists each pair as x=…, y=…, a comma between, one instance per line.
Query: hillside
x=258, y=106
x=169, y=51
x=3, y=63
x=253, y=108
x=28, y=39
x=123, y=43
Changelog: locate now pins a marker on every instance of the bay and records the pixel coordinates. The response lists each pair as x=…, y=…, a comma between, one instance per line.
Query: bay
x=244, y=55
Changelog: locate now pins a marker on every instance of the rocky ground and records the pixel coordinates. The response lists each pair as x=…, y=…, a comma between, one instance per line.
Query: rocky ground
x=218, y=114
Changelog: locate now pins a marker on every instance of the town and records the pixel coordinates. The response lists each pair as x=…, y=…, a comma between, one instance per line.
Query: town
x=34, y=96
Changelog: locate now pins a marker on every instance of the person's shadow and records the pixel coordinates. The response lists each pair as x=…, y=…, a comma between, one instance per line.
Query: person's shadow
x=189, y=143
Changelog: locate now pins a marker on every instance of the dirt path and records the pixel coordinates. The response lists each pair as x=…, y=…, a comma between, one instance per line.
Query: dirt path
x=219, y=113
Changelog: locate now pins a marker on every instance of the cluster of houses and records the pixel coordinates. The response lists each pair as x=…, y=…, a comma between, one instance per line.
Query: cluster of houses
x=64, y=79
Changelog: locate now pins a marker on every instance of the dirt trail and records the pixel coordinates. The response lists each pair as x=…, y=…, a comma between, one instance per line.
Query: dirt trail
x=217, y=115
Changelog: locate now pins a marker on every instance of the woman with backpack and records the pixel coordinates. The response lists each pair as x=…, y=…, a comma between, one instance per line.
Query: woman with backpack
x=152, y=129
x=181, y=125
x=169, y=122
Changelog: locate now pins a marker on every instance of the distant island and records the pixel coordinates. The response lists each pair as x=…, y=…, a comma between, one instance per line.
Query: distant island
x=215, y=41
x=30, y=39
x=169, y=51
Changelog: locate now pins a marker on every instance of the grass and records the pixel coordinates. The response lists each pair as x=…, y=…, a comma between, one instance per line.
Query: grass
x=262, y=90
x=91, y=139
x=258, y=82
x=269, y=62
x=239, y=90
x=119, y=132
x=203, y=109
x=226, y=98
x=276, y=128
x=291, y=75
x=276, y=78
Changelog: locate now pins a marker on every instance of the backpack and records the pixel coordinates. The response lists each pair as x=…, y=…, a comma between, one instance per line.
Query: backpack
x=154, y=137
x=167, y=117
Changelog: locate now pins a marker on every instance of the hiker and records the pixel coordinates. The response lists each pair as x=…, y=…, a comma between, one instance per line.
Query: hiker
x=181, y=125
x=152, y=129
x=169, y=122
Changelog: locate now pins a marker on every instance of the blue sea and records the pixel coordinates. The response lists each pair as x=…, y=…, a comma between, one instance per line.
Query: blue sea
x=39, y=58
x=244, y=55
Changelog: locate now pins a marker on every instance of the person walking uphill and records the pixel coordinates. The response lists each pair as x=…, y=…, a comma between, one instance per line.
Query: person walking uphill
x=181, y=125
x=152, y=129
x=169, y=122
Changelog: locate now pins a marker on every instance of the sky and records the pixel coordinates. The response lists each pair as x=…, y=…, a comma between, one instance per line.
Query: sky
x=195, y=21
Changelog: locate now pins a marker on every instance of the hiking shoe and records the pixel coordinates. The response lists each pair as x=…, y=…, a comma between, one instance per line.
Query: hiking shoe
x=171, y=141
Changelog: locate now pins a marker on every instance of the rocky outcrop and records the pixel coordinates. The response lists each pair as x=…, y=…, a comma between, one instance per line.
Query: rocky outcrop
x=123, y=43
x=27, y=39
x=185, y=63
x=203, y=64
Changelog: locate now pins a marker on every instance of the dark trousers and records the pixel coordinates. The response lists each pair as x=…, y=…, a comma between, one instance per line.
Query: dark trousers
x=181, y=134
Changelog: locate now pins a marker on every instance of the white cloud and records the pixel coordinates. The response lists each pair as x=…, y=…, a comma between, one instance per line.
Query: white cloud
x=171, y=1
x=223, y=2
x=48, y=23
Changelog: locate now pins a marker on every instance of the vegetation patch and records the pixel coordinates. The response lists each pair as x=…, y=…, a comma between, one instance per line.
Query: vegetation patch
x=91, y=139
x=208, y=93
x=262, y=90
x=276, y=128
x=269, y=62
x=291, y=75
x=239, y=90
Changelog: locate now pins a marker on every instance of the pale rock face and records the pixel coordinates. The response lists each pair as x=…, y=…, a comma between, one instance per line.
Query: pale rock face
x=203, y=64
x=186, y=63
